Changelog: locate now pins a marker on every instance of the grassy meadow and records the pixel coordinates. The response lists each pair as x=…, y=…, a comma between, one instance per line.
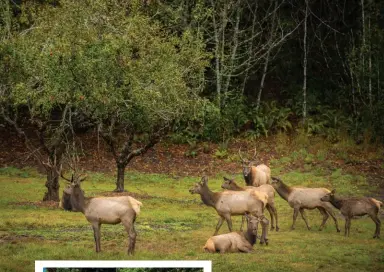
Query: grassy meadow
x=174, y=225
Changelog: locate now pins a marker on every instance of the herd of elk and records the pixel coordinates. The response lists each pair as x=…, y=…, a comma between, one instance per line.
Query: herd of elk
x=230, y=184
x=249, y=201
x=230, y=203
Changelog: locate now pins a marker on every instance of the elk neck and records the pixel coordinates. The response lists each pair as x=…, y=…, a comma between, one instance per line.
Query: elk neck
x=248, y=179
x=337, y=202
x=208, y=197
x=78, y=199
x=283, y=190
x=236, y=187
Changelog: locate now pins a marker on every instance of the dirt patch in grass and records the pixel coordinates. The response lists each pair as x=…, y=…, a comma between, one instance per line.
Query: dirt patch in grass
x=134, y=195
x=38, y=204
x=17, y=238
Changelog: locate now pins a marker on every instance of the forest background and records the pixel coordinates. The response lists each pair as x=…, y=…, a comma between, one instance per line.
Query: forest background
x=137, y=71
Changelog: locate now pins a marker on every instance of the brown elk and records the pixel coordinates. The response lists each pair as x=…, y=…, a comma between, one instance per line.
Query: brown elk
x=305, y=198
x=102, y=210
x=255, y=175
x=356, y=206
x=236, y=241
x=230, y=184
x=230, y=203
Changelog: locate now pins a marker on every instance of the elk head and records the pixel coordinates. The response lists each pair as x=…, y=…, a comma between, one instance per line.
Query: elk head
x=247, y=164
x=72, y=191
x=329, y=197
x=198, y=187
x=227, y=183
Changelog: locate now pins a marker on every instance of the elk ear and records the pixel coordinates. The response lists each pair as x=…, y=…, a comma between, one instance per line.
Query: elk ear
x=333, y=191
x=226, y=179
x=204, y=180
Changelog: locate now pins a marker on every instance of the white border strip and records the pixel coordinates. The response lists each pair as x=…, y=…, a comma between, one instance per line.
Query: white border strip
x=206, y=265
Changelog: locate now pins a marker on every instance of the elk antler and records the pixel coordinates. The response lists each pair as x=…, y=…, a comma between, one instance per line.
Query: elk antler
x=62, y=174
x=254, y=155
x=83, y=177
x=241, y=157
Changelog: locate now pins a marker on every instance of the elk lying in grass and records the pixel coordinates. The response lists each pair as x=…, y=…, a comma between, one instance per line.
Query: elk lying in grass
x=356, y=206
x=255, y=175
x=230, y=203
x=102, y=210
x=305, y=198
x=230, y=184
x=236, y=241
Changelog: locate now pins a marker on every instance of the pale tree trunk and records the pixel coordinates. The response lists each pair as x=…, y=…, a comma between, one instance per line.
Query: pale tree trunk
x=305, y=65
x=217, y=58
x=265, y=69
x=362, y=52
x=235, y=42
x=250, y=50
x=266, y=62
x=370, y=68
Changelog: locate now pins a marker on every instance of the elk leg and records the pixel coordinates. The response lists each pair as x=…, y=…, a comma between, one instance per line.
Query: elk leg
x=304, y=218
x=325, y=217
x=295, y=213
x=275, y=213
x=347, y=226
x=332, y=214
x=243, y=248
x=375, y=219
x=218, y=226
x=96, y=235
x=264, y=230
x=270, y=211
x=229, y=222
x=130, y=229
x=242, y=222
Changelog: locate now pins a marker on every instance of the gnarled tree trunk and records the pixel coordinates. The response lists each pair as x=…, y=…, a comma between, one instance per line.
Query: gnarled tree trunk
x=52, y=185
x=120, y=177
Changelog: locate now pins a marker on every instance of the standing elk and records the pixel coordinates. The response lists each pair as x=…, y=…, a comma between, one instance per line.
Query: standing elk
x=102, y=210
x=255, y=175
x=230, y=184
x=356, y=206
x=230, y=203
x=305, y=198
x=235, y=241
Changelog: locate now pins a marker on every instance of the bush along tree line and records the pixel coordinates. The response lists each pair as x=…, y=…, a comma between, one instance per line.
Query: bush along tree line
x=136, y=71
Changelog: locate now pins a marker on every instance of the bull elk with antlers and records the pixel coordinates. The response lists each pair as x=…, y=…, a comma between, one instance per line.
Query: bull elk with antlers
x=102, y=210
x=255, y=175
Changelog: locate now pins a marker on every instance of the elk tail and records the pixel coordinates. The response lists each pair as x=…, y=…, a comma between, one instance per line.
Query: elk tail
x=135, y=205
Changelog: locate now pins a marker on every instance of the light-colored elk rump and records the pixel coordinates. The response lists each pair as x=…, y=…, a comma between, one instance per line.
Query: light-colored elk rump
x=305, y=198
x=103, y=210
x=230, y=203
x=255, y=175
x=230, y=184
x=356, y=206
x=236, y=241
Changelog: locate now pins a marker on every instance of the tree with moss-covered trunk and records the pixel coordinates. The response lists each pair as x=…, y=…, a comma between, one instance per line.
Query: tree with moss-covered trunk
x=151, y=79
x=37, y=97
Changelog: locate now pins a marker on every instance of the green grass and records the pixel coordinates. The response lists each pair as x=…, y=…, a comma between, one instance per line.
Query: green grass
x=174, y=225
